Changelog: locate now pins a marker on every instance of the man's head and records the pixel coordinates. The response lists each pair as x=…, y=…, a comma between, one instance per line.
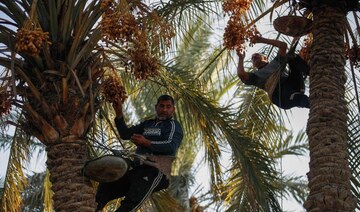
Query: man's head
x=259, y=60
x=165, y=107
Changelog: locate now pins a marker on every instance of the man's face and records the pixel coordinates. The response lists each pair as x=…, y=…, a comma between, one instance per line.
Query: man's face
x=258, y=60
x=164, y=109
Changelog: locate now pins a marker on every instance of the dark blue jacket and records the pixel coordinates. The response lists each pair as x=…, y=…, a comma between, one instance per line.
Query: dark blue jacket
x=165, y=136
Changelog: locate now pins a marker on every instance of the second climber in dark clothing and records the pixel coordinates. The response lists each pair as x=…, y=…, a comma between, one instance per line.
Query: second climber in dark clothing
x=285, y=87
x=155, y=138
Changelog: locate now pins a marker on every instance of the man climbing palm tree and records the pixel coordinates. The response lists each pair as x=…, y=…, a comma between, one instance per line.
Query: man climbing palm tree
x=159, y=140
x=285, y=89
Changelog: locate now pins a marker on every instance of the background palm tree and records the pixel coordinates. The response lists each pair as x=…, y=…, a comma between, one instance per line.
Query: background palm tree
x=327, y=95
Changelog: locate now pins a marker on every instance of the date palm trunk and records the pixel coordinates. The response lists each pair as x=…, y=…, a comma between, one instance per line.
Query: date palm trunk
x=64, y=134
x=72, y=191
x=329, y=175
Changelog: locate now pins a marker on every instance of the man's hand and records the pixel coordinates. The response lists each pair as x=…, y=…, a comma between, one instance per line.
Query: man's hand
x=241, y=54
x=118, y=109
x=256, y=39
x=140, y=140
x=240, y=69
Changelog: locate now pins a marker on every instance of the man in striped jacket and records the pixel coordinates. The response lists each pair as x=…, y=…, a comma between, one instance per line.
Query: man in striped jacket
x=158, y=140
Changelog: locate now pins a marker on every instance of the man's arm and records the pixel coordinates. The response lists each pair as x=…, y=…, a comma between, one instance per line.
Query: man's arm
x=172, y=137
x=279, y=44
x=140, y=140
x=124, y=131
x=118, y=109
x=242, y=74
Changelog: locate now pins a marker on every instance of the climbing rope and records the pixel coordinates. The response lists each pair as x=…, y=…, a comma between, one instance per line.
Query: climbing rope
x=282, y=68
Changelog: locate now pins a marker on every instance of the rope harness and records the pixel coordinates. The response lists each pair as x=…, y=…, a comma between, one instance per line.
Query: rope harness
x=274, y=79
x=110, y=167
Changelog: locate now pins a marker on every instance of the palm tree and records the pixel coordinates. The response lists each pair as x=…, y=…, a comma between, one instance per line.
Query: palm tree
x=330, y=174
x=55, y=105
x=55, y=62
x=331, y=182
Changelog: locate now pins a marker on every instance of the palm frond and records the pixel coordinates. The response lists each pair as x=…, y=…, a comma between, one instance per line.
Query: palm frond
x=15, y=178
x=354, y=136
x=163, y=202
x=32, y=197
x=295, y=187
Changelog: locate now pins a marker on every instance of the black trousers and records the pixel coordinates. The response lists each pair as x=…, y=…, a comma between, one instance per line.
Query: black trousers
x=290, y=91
x=136, y=185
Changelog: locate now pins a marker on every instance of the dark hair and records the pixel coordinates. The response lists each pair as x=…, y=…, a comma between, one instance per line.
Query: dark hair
x=165, y=97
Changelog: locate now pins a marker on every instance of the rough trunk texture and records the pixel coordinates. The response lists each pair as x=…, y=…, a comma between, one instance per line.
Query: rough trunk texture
x=72, y=191
x=329, y=175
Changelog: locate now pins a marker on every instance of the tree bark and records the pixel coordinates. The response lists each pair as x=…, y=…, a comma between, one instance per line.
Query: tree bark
x=329, y=175
x=72, y=191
